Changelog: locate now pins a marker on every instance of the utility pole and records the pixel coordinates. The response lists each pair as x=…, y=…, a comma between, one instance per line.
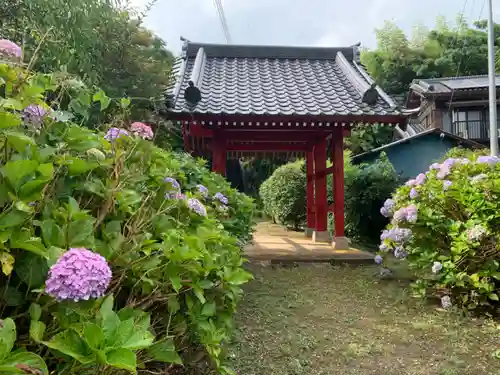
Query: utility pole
x=492, y=82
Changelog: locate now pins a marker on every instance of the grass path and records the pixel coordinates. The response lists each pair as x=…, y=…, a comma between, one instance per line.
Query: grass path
x=321, y=320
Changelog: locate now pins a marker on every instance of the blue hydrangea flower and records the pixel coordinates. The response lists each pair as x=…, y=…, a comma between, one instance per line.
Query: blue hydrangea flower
x=34, y=114
x=400, y=252
x=115, y=133
x=79, y=274
x=386, y=210
x=203, y=190
x=378, y=259
x=490, y=160
x=413, y=193
x=174, y=184
x=446, y=184
x=196, y=206
x=221, y=198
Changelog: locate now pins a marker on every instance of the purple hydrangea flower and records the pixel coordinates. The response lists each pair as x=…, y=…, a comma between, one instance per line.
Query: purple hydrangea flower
x=436, y=267
x=400, y=252
x=34, y=114
x=384, y=247
x=221, y=198
x=447, y=184
x=175, y=195
x=411, y=213
x=446, y=302
x=10, y=49
x=411, y=182
x=406, y=213
x=386, y=210
x=479, y=177
x=490, y=160
x=397, y=235
x=115, y=133
x=413, y=193
x=476, y=233
x=378, y=259
x=196, y=206
x=420, y=179
x=79, y=274
x=174, y=184
x=203, y=190
x=445, y=168
x=434, y=166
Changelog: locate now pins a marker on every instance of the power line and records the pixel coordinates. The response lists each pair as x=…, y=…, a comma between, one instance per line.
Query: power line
x=223, y=21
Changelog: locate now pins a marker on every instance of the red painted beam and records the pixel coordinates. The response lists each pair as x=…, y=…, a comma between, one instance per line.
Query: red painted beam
x=227, y=121
x=267, y=146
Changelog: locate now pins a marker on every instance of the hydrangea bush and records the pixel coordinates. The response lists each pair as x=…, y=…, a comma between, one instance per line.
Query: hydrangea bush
x=446, y=224
x=115, y=254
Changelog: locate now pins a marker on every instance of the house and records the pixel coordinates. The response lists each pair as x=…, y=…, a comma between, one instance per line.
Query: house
x=413, y=154
x=457, y=105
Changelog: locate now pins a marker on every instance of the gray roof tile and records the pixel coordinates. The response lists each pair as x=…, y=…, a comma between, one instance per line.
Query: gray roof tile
x=266, y=80
x=447, y=85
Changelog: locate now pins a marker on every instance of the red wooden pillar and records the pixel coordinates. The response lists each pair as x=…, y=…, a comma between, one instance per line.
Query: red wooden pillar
x=320, y=233
x=219, y=154
x=341, y=242
x=311, y=219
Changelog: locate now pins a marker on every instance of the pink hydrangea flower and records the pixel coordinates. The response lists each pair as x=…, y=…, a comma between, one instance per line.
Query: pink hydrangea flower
x=79, y=274
x=10, y=49
x=142, y=130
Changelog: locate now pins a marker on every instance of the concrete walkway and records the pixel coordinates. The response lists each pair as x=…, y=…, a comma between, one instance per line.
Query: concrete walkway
x=272, y=242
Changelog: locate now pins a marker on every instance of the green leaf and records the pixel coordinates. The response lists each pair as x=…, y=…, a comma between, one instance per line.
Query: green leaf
x=124, y=102
x=10, y=103
x=12, y=218
x=7, y=337
x=70, y=343
x=123, y=359
x=18, y=172
x=199, y=293
x=205, y=284
x=22, y=240
x=46, y=170
x=209, y=309
x=27, y=361
x=54, y=253
x=93, y=335
x=102, y=98
x=164, y=351
x=13, y=296
x=139, y=340
x=9, y=120
x=109, y=319
x=52, y=233
x=239, y=276
x=81, y=233
x=79, y=166
x=32, y=270
x=19, y=141
x=37, y=329
x=176, y=283
x=35, y=312
x=123, y=333
x=7, y=262
x=173, y=305
x=493, y=296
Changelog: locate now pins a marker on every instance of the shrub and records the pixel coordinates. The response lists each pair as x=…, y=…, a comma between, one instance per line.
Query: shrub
x=284, y=194
x=446, y=223
x=163, y=225
x=366, y=187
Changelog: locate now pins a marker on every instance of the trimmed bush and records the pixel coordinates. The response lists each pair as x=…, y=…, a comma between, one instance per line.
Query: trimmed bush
x=115, y=254
x=366, y=187
x=446, y=223
x=284, y=195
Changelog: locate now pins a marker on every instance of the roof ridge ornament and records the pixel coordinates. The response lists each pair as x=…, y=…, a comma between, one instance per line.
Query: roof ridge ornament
x=370, y=96
x=192, y=95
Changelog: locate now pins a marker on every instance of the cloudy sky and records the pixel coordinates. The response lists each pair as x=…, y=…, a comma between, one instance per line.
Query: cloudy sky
x=298, y=22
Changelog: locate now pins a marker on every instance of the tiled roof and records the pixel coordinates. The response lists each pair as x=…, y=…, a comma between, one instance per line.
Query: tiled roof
x=267, y=80
x=447, y=85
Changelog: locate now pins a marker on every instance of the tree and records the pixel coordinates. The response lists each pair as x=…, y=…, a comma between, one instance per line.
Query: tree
x=101, y=41
x=445, y=51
